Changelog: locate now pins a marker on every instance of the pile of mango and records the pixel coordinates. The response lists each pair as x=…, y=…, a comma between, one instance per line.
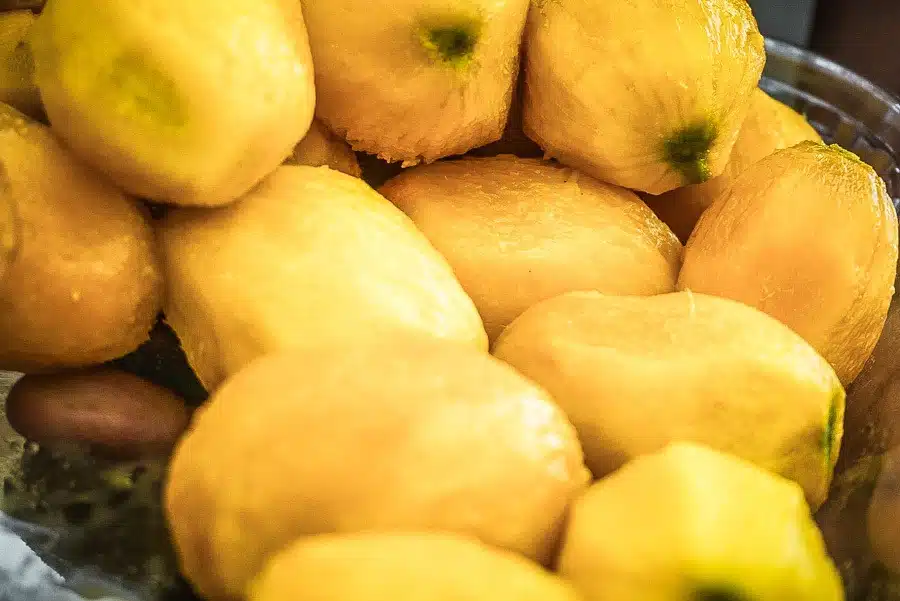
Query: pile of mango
x=494, y=299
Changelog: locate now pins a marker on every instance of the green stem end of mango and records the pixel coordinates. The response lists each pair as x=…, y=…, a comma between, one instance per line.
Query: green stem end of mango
x=687, y=151
x=451, y=43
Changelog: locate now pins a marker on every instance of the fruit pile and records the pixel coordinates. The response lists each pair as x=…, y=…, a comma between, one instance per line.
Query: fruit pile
x=587, y=338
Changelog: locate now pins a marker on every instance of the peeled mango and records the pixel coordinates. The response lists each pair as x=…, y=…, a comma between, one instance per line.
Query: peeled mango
x=187, y=103
x=311, y=255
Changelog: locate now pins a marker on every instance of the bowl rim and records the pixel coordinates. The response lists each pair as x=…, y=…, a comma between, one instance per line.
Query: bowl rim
x=818, y=61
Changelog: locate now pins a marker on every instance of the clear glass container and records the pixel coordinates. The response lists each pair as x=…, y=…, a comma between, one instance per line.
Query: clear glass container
x=846, y=108
x=48, y=550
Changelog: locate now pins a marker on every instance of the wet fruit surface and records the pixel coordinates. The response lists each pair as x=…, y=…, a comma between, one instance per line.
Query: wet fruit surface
x=85, y=491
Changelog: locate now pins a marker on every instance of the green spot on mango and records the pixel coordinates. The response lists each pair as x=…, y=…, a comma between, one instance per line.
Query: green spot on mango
x=452, y=44
x=133, y=89
x=687, y=151
x=100, y=69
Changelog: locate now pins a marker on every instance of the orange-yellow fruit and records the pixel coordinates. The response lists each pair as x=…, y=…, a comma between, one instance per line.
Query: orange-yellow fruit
x=403, y=566
x=184, y=102
x=769, y=126
x=415, y=80
x=519, y=231
x=636, y=373
x=809, y=236
x=410, y=433
x=649, y=94
x=311, y=255
x=80, y=279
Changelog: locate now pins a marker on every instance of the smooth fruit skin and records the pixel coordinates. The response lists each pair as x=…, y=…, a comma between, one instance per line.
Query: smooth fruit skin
x=519, y=231
x=404, y=566
x=637, y=373
x=80, y=277
x=809, y=236
x=382, y=86
x=610, y=85
x=189, y=103
x=311, y=254
x=692, y=524
x=770, y=126
x=409, y=433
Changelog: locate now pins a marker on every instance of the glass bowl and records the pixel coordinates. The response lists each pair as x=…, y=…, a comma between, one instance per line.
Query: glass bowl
x=66, y=537
x=845, y=108
x=862, y=533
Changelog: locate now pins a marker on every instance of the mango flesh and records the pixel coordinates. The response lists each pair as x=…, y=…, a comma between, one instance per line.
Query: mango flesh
x=141, y=89
x=689, y=523
x=769, y=126
x=404, y=567
x=321, y=148
x=82, y=282
x=415, y=80
x=311, y=255
x=17, y=87
x=809, y=236
x=636, y=373
x=519, y=231
x=409, y=433
x=646, y=95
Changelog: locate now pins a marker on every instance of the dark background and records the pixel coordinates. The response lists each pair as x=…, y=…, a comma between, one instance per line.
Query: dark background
x=863, y=35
